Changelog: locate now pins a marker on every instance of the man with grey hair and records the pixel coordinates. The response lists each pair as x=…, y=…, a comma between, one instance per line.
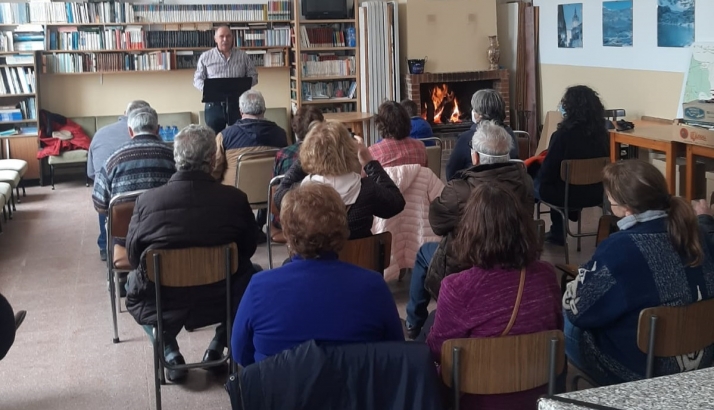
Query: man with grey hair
x=251, y=133
x=491, y=164
x=105, y=142
x=144, y=162
x=191, y=210
x=486, y=105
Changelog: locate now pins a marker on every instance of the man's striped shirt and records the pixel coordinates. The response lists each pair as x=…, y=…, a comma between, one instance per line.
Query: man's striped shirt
x=213, y=64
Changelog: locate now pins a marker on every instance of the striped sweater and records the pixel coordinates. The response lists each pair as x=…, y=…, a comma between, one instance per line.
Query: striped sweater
x=145, y=162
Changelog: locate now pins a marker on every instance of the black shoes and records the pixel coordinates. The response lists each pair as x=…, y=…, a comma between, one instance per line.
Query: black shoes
x=554, y=239
x=261, y=237
x=103, y=255
x=19, y=318
x=213, y=355
x=177, y=376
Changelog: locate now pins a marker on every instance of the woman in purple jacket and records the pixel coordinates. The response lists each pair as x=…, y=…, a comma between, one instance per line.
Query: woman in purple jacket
x=497, y=238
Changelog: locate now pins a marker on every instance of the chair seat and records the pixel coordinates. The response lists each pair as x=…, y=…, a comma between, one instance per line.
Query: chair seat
x=10, y=177
x=277, y=236
x=17, y=165
x=5, y=191
x=69, y=157
x=121, y=258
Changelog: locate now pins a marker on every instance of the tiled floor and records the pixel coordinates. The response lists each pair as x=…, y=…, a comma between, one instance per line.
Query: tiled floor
x=63, y=357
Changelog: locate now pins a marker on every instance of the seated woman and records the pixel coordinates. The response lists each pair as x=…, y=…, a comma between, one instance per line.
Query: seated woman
x=660, y=256
x=316, y=296
x=396, y=148
x=498, y=239
x=304, y=116
x=487, y=105
x=329, y=155
x=580, y=136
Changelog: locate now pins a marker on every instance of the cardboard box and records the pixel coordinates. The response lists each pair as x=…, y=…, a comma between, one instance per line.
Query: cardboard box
x=700, y=183
x=701, y=111
x=695, y=135
x=710, y=185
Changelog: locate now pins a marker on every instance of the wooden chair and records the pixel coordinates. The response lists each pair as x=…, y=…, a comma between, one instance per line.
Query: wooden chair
x=372, y=252
x=121, y=207
x=188, y=267
x=433, y=154
x=667, y=331
x=499, y=365
x=274, y=234
x=253, y=173
x=576, y=172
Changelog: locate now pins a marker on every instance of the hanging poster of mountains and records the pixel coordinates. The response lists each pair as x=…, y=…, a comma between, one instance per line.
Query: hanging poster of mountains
x=570, y=26
x=617, y=23
x=675, y=23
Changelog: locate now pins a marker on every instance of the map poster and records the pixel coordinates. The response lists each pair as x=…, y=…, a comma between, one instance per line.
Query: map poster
x=698, y=92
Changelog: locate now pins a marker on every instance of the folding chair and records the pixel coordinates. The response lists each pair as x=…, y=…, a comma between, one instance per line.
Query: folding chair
x=373, y=252
x=433, y=153
x=121, y=207
x=188, y=267
x=499, y=365
x=274, y=234
x=576, y=172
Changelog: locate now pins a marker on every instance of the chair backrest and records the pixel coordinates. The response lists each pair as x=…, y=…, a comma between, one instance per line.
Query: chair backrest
x=372, y=252
x=88, y=124
x=498, y=365
x=191, y=266
x=253, y=173
x=433, y=154
x=121, y=207
x=531, y=144
x=583, y=171
x=679, y=330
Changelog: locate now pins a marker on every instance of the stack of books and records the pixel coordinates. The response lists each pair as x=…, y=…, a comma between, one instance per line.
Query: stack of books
x=26, y=37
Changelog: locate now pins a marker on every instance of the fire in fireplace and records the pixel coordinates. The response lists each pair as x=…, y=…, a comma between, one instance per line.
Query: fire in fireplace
x=444, y=105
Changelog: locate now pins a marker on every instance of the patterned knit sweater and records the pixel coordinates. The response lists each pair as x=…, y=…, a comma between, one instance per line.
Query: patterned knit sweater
x=479, y=303
x=635, y=269
x=145, y=162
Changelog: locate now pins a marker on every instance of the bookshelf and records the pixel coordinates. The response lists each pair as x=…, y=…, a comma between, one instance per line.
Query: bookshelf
x=324, y=64
x=111, y=37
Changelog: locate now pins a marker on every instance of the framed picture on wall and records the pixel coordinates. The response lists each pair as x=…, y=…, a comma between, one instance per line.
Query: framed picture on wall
x=617, y=23
x=570, y=25
x=675, y=23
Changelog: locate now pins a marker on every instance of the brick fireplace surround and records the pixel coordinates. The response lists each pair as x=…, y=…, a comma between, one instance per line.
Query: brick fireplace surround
x=413, y=83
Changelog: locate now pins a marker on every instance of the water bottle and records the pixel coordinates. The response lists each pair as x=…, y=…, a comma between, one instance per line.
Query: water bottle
x=174, y=132
x=162, y=133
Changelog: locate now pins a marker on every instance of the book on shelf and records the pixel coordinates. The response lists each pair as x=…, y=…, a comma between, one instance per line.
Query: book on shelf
x=273, y=10
x=263, y=58
x=17, y=80
x=333, y=90
x=107, y=62
x=316, y=37
x=327, y=64
x=257, y=36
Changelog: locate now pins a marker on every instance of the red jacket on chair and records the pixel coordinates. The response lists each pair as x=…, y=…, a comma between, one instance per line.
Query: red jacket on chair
x=50, y=122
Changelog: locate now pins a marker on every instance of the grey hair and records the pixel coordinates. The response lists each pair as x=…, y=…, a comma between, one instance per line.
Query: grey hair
x=195, y=148
x=135, y=105
x=492, y=143
x=252, y=102
x=489, y=104
x=143, y=120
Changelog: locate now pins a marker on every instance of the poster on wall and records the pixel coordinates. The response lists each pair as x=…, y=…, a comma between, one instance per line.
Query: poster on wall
x=617, y=23
x=675, y=23
x=698, y=91
x=570, y=25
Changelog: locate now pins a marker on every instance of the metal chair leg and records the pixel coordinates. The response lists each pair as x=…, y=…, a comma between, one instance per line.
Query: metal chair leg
x=22, y=182
x=112, y=300
x=52, y=176
x=17, y=192
x=580, y=218
x=12, y=199
x=565, y=239
x=9, y=210
x=158, y=372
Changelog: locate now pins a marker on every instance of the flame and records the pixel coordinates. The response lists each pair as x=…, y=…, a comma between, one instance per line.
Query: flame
x=441, y=97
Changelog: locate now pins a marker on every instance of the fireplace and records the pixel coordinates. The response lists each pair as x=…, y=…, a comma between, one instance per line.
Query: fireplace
x=444, y=99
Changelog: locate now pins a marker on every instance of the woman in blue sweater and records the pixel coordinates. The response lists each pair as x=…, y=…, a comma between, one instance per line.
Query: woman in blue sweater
x=316, y=296
x=662, y=256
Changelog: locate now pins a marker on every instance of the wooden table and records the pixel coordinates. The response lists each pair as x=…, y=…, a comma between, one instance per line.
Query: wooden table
x=353, y=120
x=692, y=151
x=651, y=135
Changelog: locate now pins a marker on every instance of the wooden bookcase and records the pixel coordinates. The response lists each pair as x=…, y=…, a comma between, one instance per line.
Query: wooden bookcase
x=338, y=47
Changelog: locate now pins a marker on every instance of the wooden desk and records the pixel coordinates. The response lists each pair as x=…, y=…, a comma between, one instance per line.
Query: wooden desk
x=651, y=135
x=352, y=120
x=700, y=151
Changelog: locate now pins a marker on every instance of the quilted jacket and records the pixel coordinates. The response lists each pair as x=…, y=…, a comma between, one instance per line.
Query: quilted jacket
x=410, y=228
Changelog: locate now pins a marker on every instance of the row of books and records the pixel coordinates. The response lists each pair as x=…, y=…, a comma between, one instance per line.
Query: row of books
x=24, y=38
x=121, y=12
x=316, y=37
x=17, y=80
x=186, y=59
x=321, y=65
x=262, y=58
x=28, y=107
x=136, y=38
x=106, y=62
x=176, y=13
x=24, y=110
x=328, y=90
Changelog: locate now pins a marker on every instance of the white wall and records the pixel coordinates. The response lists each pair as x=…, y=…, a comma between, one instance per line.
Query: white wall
x=643, y=55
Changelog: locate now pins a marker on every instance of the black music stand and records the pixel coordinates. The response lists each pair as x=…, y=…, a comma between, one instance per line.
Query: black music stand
x=225, y=91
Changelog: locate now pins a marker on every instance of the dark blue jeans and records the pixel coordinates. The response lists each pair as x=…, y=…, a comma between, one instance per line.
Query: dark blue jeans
x=556, y=220
x=573, y=349
x=102, y=240
x=418, y=296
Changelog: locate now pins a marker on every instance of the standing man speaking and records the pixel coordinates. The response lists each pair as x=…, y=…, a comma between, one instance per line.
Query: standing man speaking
x=224, y=61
